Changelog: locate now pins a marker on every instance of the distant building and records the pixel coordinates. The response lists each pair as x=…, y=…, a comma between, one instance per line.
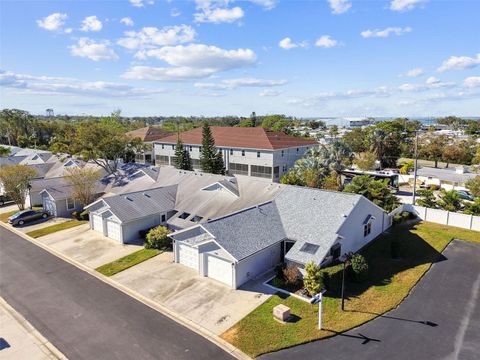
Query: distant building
x=448, y=179
x=148, y=135
x=246, y=151
x=361, y=123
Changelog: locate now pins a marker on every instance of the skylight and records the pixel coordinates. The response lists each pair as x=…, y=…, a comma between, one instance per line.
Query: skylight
x=309, y=248
x=184, y=215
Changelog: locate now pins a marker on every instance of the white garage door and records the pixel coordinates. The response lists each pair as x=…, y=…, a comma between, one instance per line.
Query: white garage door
x=113, y=230
x=98, y=223
x=219, y=269
x=49, y=206
x=188, y=256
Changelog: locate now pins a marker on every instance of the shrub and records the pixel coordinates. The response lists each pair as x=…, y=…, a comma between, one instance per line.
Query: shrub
x=279, y=283
x=313, y=279
x=359, y=267
x=397, y=219
x=405, y=215
x=76, y=215
x=291, y=274
x=157, y=238
x=84, y=215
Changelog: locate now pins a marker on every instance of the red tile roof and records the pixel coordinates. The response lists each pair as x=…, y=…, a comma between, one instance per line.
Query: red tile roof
x=149, y=133
x=242, y=137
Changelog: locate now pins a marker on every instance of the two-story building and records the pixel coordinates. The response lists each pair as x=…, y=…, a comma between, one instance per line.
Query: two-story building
x=246, y=151
x=148, y=135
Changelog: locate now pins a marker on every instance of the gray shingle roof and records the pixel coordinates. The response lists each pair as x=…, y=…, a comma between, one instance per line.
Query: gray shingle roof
x=249, y=231
x=445, y=174
x=135, y=205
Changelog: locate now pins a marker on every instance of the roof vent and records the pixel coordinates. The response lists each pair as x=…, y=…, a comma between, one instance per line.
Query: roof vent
x=129, y=199
x=147, y=195
x=344, y=215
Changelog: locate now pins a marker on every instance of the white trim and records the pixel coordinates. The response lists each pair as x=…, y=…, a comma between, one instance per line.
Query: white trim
x=283, y=291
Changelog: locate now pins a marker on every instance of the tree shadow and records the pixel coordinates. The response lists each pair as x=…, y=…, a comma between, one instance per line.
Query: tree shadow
x=412, y=251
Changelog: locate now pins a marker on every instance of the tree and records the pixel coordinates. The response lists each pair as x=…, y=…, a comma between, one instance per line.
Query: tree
x=427, y=199
x=211, y=160
x=406, y=167
x=357, y=140
x=182, y=157
x=105, y=143
x=157, y=238
x=84, y=182
x=432, y=148
x=15, y=124
x=473, y=185
x=376, y=191
x=386, y=147
x=333, y=131
x=16, y=181
x=365, y=160
x=472, y=208
x=459, y=153
x=4, y=151
x=359, y=267
x=450, y=200
x=313, y=278
x=291, y=274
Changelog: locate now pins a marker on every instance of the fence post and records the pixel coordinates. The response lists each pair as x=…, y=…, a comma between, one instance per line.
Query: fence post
x=471, y=222
x=448, y=216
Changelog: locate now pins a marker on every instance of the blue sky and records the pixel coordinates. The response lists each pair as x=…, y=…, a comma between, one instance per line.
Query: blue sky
x=302, y=58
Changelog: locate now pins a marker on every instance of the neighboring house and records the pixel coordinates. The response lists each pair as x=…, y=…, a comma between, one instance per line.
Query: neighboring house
x=297, y=226
x=148, y=135
x=122, y=217
x=448, y=179
x=251, y=151
x=58, y=198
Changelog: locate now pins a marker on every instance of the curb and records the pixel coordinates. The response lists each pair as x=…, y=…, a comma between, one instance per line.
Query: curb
x=191, y=325
x=46, y=346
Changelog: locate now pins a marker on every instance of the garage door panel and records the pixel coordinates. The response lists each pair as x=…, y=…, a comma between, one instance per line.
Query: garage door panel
x=49, y=206
x=219, y=269
x=188, y=256
x=98, y=223
x=113, y=230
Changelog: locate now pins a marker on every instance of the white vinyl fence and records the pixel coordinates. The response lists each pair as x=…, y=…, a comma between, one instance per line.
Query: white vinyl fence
x=443, y=217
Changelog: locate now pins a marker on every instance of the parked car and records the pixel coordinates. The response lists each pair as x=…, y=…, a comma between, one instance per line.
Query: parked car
x=25, y=216
x=465, y=195
x=4, y=199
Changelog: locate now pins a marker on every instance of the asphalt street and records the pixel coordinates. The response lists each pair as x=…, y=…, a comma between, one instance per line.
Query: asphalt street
x=86, y=318
x=439, y=320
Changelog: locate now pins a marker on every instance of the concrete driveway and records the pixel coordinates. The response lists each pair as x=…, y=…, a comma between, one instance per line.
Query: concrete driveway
x=207, y=302
x=87, y=246
x=41, y=223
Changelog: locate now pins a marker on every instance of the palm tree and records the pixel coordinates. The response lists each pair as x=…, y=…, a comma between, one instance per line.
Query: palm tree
x=450, y=201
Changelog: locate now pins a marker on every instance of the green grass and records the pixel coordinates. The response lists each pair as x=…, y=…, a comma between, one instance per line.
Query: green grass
x=127, y=261
x=388, y=284
x=4, y=216
x=54, y=228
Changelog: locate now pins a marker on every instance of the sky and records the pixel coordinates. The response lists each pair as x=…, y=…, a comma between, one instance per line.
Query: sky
x=323, y=58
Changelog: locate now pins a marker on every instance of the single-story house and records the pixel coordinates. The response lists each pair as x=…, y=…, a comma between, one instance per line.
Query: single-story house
x=448, y=178
x=297, y=226
x=122, y=217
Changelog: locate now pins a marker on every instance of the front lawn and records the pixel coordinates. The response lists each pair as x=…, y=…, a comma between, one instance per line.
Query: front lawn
x=54, y=228
x=125, y=262
x=389, y=282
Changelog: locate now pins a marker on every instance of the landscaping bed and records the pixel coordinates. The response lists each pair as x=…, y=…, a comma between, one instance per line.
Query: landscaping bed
x=388, y=283
x=128, y=261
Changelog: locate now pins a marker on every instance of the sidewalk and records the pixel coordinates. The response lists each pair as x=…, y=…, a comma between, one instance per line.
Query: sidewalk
x=19, y=340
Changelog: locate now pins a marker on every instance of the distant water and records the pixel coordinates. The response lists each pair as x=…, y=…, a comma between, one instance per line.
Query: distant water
x=346, y=121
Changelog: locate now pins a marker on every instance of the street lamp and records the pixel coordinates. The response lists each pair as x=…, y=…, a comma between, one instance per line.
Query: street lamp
x=344, y=259
x=415, y=167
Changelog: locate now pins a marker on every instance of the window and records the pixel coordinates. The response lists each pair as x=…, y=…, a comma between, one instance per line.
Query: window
x=161, y=160
x=243, y=152
x=258, y=154
x=298, y=150
x=309, y=248
x=283, y=152
x=261, y=171
x=335, y=251
x=164, y=218
x=276, y=172
x=190, y=148
x=173, y=147
x=184, y=215
x=231, y=151
x=200, y=149
x=163, y=146
x=70, y=204
x=284, y=168
x=239, y=169
x=195, y=164
x=367, y=229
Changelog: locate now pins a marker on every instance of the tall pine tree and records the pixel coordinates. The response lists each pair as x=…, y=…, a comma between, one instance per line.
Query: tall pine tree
x=211, y=159
x=182, y=157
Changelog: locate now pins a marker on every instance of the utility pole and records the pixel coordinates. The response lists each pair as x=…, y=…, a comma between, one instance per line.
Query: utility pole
x=415, y=167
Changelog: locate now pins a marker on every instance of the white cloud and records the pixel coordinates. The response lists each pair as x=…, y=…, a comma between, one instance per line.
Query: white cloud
x=460, y=63
x=266, y=4
x=269, y=92
x=326, y=41
x=193, y=61
x=152, y=36
x=385, y=32
x=216, y=12
x=71, y=86
x=127, y=21
x=322, y=97
x=288, y=44
x=175, y=13
x=339, y=6
x=415, y=72
x=243, y=82
x=53, y=22
x=431, y=83
x=405, y=5
x=93, y=50
x=141, y=3
x=68, y=30
x=472, y=82
x=91, y=23
x=432, y=80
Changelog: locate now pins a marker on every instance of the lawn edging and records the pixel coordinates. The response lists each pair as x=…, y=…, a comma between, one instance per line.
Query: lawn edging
x=55, y=227
x=127, y=261
x=274, y=288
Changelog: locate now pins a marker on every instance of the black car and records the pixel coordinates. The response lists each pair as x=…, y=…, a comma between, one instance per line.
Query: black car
x=25, y=216
x=4, y=199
